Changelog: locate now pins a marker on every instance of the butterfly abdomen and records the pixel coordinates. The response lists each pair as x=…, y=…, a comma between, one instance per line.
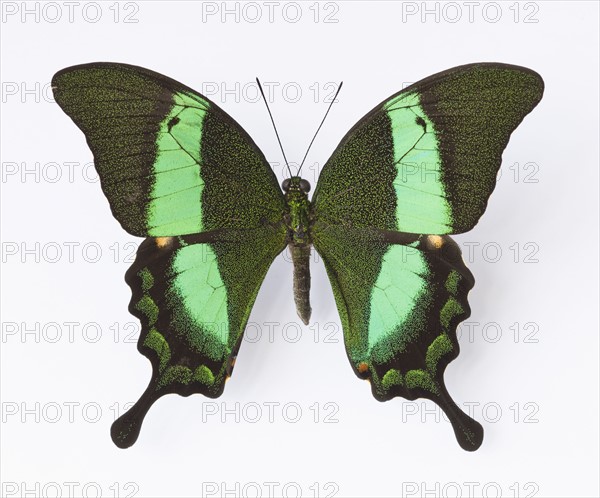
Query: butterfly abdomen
x=301, y=260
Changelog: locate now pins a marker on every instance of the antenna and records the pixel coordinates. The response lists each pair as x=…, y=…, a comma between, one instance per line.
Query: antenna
x=274, y=127
x=315, y=135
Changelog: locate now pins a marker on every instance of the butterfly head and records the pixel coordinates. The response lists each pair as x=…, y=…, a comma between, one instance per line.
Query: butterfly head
x=295, y=184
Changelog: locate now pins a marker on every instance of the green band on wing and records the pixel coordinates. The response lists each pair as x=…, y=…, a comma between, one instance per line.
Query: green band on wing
x=421, y=205
x=175, y=205
x=398, y=286
x=197, y=288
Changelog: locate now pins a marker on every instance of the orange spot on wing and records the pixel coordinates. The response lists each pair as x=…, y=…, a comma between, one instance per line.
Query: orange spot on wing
x=162, y=242
x=435, y=241
x=363, y=367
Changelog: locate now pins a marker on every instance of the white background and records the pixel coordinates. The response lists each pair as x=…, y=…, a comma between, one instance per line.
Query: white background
x=537, y=397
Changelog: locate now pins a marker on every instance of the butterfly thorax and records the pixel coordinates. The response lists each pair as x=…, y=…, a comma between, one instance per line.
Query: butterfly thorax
x=297, y=219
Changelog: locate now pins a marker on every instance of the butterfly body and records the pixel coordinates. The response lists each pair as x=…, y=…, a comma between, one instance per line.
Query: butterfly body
x=181, y=172
x=298, y=219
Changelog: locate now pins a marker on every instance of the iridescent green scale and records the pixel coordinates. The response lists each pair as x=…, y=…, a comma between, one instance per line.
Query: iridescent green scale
x=180, y=171
x=173, y=210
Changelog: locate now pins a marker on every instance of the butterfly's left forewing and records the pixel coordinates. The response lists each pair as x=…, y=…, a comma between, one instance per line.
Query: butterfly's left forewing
x=426, y=159
x=419, y=166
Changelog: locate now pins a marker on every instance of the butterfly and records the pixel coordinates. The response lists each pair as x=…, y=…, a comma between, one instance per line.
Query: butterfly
x=179, y=171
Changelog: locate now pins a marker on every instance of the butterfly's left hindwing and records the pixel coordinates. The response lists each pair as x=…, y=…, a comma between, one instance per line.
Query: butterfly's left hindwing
x=400, y=298
x=193, y=296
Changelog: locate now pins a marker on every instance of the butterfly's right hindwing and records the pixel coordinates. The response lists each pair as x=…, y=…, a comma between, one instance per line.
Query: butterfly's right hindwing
x=170, y=161
x=193, y=296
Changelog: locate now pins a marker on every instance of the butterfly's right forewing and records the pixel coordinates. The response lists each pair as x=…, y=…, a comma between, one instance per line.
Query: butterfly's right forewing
x=170, y=161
